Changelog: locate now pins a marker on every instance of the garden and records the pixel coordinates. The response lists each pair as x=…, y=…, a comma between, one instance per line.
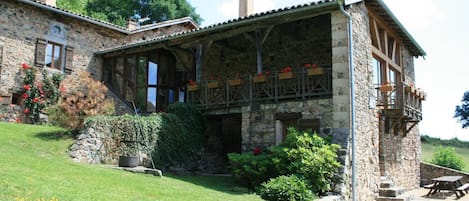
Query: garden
x=303, y=167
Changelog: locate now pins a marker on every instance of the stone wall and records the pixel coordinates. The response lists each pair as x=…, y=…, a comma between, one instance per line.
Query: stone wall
x=430, y=171
x=21, y=25
x=11, y=113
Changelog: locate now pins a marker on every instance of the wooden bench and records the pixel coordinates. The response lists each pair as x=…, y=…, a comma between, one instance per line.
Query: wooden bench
x=429, y=186
x=464, y=187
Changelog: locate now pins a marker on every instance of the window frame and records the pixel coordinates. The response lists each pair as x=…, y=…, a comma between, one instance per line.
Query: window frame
x=53, y=56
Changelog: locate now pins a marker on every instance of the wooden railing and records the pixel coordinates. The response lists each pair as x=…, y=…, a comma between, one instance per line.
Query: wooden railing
x=250, y=89
x=400, y=101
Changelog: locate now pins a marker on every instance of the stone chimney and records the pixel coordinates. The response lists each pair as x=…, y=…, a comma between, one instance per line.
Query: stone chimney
x=131, y=24
x=48, y=2
x=246, y=7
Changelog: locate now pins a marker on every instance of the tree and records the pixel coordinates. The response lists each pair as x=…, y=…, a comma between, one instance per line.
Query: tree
x=462, y=111
x=77, y=6
x=118, y=11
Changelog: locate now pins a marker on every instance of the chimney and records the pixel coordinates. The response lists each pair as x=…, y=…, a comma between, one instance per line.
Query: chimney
x=246, y=7
x=48, y=2
x=131, y=24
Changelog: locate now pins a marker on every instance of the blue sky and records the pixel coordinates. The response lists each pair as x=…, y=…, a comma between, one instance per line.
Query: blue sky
x=439, y=26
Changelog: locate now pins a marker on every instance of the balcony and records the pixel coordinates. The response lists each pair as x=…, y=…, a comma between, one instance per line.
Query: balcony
x=401, y=105
x=269, y=88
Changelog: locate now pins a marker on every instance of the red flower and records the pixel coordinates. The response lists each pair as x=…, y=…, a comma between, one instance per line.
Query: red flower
x=259, y=74
x=27, y=87
x=26, y=66
x=256, y=151
x=39, y=85
x=62, y=89
x=26, y=111
x=307, y=65
x=314, y=65
x=191, y=82
x=35, y=100
x=267, y=72
x=18, y=120
x=25, y=96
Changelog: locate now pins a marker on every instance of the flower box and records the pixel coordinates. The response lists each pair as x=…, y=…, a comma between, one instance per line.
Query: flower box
x=315, y=71
x=386, y=88
x=286, y=75
x=409, y=89
x=259, y=78
x=213, y=84
x=235, y=82
x=192, y=87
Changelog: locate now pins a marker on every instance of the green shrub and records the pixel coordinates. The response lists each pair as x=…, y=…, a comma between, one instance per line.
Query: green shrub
x=446, y=157
x=286, y=188
x=312, y=157
x=252, y=169
x=304, y=154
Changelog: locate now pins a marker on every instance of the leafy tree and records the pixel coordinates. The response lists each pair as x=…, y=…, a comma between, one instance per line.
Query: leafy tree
x=77, y=6
x=118, y=11
x=446, y=157
x=462, y=111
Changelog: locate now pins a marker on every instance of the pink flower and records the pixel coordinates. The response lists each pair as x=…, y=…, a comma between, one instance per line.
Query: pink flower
x=26, y=66
x=62, y=89
x=35, y=100
x=26, y=111
x=27, y=87
x=25, y=96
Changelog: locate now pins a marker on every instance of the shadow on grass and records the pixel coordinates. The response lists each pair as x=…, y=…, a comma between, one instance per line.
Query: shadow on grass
x=54, y=135
x=225, y=184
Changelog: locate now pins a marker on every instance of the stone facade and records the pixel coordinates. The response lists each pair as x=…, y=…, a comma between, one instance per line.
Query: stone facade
x=378, y=151
x=22, y=25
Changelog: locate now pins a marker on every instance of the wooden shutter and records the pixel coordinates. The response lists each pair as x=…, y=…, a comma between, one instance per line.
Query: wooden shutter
x=40, y=56
x=68, y=59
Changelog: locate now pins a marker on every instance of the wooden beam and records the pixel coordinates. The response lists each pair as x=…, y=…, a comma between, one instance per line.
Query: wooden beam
x=176, y=52
x=377, y=35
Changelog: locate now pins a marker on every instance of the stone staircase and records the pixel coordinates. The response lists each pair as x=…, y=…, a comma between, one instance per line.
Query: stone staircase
x=389, y=192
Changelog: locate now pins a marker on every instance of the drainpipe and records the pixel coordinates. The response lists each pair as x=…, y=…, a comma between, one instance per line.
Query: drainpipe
x=352, y=98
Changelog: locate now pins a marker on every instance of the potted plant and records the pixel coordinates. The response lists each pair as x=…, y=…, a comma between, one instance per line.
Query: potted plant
x=260, y=77
x=235, y=81
x=192, y=86
x=213, y=82
x=385, y=87
x=313, y=69
x=285, y=73
x=129, y=156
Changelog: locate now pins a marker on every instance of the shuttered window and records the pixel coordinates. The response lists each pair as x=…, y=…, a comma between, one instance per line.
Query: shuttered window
x=51, y=54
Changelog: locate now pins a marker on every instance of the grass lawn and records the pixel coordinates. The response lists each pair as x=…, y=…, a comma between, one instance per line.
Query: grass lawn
x=428, y=149
x=34, y=164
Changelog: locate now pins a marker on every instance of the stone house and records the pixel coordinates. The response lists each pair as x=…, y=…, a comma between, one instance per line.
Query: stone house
x=342, y=69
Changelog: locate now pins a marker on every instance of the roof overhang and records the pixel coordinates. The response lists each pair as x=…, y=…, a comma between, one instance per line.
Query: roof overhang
x=239, y=25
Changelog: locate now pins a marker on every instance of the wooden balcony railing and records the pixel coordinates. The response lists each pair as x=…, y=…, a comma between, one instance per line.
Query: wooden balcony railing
x=400, y=101
x=271, y=88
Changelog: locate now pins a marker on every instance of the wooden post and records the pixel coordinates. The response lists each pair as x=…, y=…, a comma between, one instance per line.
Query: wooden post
x=258, y=38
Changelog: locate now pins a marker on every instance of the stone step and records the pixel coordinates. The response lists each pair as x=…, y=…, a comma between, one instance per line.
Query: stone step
x=390, y=192
x=390, y=199
x=386, y=184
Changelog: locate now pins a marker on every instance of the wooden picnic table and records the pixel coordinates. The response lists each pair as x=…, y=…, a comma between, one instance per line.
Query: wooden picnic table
x=447, y=183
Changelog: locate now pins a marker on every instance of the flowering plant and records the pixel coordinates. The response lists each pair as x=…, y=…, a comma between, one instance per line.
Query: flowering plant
x=311, y=66
x=256, y=151
x=38, y=95
x=192, y=83
x=286, y=69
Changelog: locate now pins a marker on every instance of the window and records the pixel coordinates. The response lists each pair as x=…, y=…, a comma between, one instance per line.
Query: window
x=54, y=55
x=149, y=80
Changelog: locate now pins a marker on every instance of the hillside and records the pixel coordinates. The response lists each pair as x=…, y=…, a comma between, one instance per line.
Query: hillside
x=429, y=145
x=34, y=165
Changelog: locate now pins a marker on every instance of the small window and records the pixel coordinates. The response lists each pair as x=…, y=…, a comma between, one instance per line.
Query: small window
x=54, y=55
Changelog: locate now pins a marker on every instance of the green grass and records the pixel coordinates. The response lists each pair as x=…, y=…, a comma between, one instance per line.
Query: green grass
x=428, y=149
x=34, y=164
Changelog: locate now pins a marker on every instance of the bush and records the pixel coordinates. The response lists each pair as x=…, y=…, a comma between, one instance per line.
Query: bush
x=446, y=157
x=304, y=154
x=286, y=188
x=252, y=169
x=82, y=97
